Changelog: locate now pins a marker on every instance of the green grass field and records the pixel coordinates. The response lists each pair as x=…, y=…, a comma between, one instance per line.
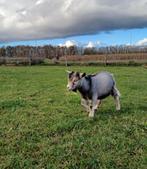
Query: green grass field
x=42, y=125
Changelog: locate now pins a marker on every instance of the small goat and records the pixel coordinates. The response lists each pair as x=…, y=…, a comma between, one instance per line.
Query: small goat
x=93, y=89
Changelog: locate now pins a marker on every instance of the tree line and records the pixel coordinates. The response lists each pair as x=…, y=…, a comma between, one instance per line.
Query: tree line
x=55, y=52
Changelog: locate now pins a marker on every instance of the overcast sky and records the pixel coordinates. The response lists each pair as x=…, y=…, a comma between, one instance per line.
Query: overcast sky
x=47, y=19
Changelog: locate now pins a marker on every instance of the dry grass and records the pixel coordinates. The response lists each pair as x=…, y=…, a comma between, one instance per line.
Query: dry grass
x=109, y=57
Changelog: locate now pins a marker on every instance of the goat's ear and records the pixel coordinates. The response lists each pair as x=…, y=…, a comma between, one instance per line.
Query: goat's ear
x=82, y=75
x=69, y=72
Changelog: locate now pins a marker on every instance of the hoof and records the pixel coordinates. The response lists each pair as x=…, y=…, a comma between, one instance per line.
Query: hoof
x=91, y=115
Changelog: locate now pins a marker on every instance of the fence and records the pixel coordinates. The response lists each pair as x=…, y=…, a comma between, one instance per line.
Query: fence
x=20, y=60
x=108, y=58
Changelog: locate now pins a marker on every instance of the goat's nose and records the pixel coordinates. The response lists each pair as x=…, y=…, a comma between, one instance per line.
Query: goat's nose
x=68, y=86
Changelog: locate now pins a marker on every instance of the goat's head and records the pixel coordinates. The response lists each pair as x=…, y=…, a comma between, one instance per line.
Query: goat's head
x=73, y=80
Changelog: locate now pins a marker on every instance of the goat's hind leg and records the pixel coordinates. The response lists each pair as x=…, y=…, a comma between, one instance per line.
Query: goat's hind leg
x=116, y=95
x=98, y=103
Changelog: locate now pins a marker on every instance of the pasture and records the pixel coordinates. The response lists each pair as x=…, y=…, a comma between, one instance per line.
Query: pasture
x=42, y=125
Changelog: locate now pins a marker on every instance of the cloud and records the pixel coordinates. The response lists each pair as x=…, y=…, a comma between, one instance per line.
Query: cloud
x=43, y=19
x=94, y=44
x=90, y=45
x=142, y=42
x=69, y=43
x=38, y=2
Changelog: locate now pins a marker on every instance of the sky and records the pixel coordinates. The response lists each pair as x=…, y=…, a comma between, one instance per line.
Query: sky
x=67, y=22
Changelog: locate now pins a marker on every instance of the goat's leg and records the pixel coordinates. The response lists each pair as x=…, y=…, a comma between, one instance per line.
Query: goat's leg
x=117, y=102
x=116, y=95
x=85, y=104
x=98, y=103
x=94, y=106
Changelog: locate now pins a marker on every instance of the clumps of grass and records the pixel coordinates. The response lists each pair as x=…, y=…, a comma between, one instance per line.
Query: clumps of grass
x=43, y=126
x=12, y=104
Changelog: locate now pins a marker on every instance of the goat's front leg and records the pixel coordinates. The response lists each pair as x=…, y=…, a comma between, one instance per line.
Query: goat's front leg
x=85, y=104
x=94, y=106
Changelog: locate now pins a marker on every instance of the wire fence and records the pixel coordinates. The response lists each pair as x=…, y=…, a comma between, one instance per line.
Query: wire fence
x=20, y=60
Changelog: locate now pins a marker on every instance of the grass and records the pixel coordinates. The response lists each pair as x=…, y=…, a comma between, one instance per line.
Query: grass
x=42, y=125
